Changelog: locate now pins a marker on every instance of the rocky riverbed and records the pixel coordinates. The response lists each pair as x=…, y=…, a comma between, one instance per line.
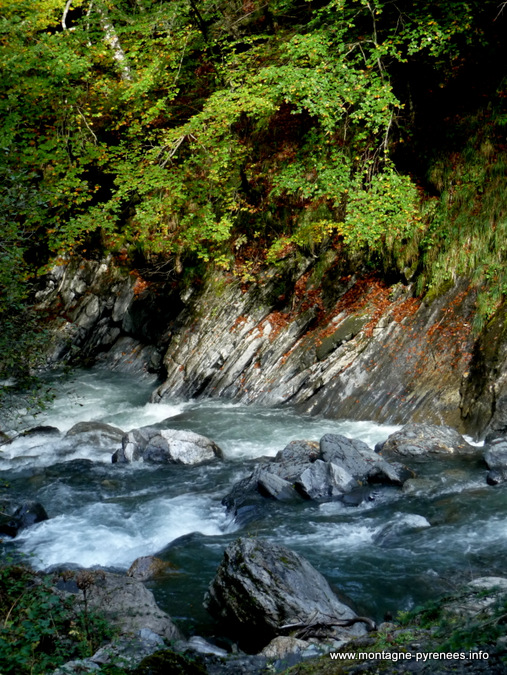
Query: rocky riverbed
x=384, y=517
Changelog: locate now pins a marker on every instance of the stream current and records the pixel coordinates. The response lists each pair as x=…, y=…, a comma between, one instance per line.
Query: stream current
x=107, y=514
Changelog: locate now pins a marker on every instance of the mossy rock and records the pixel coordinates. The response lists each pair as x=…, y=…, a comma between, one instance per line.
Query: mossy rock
x=167, y=662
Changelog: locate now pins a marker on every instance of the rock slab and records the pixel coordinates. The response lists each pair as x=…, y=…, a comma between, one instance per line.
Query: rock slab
x=261, y=587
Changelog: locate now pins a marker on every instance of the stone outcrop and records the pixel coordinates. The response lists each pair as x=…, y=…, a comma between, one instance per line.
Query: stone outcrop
x=166, y=446
x=424, y=441
x=98, y=435
x=261, y=590
x=106, y=314
x=343, y=346
x=124, y=601
x=322, y=335
x=336, y=469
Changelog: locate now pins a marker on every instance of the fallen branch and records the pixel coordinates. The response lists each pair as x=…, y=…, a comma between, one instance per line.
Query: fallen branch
x=312, y=626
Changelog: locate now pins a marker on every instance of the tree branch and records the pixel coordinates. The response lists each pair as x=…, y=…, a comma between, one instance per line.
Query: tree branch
x=65, y=12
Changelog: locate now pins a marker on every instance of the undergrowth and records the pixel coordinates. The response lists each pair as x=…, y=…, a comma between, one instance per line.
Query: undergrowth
x=39, y=629
x=465, y=231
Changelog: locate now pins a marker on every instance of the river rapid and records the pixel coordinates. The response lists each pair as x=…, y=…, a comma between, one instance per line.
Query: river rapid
x=104, y=514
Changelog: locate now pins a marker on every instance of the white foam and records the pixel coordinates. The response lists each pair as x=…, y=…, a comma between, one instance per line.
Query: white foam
x=107, y=534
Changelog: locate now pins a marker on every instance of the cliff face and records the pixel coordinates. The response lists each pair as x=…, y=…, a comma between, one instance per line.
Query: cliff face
x=343, y=344
x=375, y=352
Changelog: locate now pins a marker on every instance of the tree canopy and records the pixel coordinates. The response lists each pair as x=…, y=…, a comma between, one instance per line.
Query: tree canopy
x=203, y=130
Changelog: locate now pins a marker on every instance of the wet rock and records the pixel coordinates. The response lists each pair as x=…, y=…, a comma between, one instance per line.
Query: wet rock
x=25, y=515
x=361, y=462
x=389, y=473
x=331, y=470
x=169, y=662
x=295, y=458
x=166, y=446
x=495, y=456
x=261, y=588
x=275, y=477
x=147, y=567
x=129, y=652
x=42, y=430
x=282, y=646
x=325, y=481
x=271, y=485
x=419, y=486
x=124, y=601
x=423, y=441
x=97, y=434
x=202, y=646
x=358, y=495
x=390, y=533
x=353, y=455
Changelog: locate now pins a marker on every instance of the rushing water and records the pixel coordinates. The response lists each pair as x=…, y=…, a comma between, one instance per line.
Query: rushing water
x=108, y=515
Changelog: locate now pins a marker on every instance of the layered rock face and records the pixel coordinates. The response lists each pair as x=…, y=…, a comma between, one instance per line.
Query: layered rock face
x=366, y=351
x=341, y=343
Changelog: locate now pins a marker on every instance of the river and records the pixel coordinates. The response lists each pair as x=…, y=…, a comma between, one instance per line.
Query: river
x=108, y=514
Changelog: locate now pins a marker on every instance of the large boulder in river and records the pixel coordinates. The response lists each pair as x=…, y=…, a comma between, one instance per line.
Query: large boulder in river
x=262, y=590
x=337, y=469
x=97, y=435
x=495, y=456
x=95, y=432
x=423, y=441
x=166, y=446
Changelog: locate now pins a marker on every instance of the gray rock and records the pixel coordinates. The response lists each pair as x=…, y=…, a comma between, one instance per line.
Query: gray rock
x=260, y=587
x=495, y=456
x=295, y=457
x=28, y=513
x=167, y=446
x=332, y=470
x=78, y=667
x=390, y=533
x=280, y=647
x=419, y=486
x=202, y=646
x=271, y=485
x=423, y=441
x=389, y=473
x=42, y=430
x=361, y=462
x=124, y=601
x=325, y=481
x=97, y=434
x=480, y=596
x=147, y=567
x=353, y=455
x=128, y=652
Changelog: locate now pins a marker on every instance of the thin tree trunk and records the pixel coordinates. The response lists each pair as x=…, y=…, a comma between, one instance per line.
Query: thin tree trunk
x=111, y=38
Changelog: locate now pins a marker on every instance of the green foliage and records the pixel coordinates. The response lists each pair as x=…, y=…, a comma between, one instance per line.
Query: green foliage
x=179, y=129
x=464, y=621
x=40, y=630
x=168, y=661
x=467, y=225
